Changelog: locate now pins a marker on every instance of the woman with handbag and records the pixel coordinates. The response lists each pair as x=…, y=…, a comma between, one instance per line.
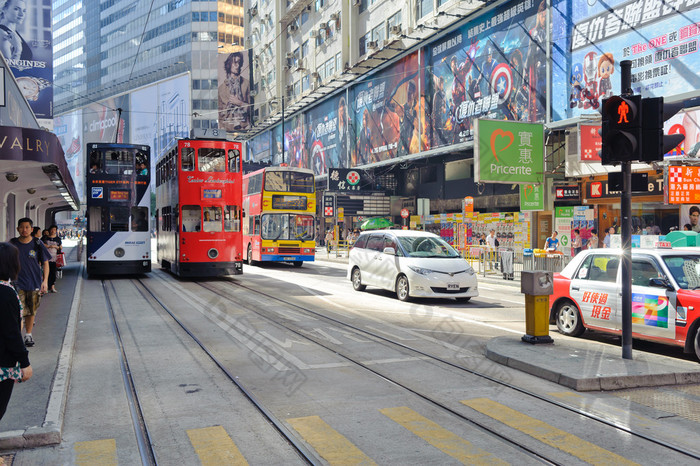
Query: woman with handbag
x=53, y=244
x=14, y=357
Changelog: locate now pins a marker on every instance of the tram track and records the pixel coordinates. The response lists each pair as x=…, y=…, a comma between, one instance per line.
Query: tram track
x=594, y=417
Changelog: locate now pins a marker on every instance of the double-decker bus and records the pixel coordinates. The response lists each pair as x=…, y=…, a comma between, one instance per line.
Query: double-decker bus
x=280, y=204
x=198, y=207
x=118, y=186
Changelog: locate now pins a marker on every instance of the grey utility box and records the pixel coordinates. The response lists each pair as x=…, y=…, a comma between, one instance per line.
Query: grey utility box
x=536, y=283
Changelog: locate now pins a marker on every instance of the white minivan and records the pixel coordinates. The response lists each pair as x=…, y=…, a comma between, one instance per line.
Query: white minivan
x=411, y=263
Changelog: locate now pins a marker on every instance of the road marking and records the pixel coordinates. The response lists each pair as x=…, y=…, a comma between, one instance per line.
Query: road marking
x=545, y=433
x=617, y=415
x=214, y=446
x=331, y=445
x=442, y=439
x=103, y=452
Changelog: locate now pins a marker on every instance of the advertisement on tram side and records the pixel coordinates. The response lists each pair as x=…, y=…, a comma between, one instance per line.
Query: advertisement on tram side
x=26, y=44
x=326, y=141
x=492, y=67
x=235, y=101
x=385, y=109
x=590, y=39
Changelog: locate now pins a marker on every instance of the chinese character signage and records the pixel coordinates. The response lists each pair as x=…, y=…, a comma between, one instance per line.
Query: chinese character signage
x=343, y=179
x=567, y=193
x=531, y=197
x=328, y=206
x=590, y=142
x=509, y=152
x=591, y=38
x=683, y=185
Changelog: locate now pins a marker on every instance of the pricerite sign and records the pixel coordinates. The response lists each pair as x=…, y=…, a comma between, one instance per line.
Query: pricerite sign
x=509, y=152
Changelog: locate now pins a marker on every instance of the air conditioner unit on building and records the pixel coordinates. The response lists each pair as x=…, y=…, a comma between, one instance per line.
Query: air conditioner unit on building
x=372, y=44
x=313, y=33
x=292, y=28
x=395, y=30
x=290, y=89
x=254, y=11
x=315, y=75
x=334, y=16
x=308, y=8
x=301, y=66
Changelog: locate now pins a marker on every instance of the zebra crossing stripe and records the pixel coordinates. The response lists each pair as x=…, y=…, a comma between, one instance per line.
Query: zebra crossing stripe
x=214, y=446
x=102, y=452
x=328, y=443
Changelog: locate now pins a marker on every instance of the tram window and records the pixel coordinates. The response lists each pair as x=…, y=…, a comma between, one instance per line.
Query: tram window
x=118, y=218
x=191, y=218
x=96, y=162
x=142, y=163
x=232, y=218
x=97, y=216
x=187, y=154
x=234, y=160
x=212, y=219
x=139, y=218
x=119, y=163
x=211, y=160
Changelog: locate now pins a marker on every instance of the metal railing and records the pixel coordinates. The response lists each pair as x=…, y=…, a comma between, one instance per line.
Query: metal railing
x=509, y=263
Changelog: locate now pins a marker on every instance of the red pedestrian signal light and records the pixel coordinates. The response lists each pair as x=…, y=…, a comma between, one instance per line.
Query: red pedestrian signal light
x=621, y=129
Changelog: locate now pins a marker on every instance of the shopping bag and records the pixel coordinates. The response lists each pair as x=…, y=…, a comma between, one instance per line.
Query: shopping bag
x=60, y=260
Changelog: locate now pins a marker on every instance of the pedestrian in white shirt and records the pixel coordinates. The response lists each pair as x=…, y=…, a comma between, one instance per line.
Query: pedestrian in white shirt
x=491, y=243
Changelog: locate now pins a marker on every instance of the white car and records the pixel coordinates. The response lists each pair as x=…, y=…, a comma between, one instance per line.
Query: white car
x=411, y=263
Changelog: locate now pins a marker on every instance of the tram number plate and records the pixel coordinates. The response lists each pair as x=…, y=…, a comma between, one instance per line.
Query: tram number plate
x=453, y=286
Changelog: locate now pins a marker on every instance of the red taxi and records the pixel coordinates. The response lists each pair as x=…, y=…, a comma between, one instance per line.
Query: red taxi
x=665, y=295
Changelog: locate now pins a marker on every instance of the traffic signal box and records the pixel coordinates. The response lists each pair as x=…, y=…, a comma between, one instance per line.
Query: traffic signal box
x=633, y=129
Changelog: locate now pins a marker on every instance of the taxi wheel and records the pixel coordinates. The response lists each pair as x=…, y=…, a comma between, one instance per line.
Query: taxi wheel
x=357, y=280
x=250, y=254
x=402, y=288
x=697, y=343
x=569, y=320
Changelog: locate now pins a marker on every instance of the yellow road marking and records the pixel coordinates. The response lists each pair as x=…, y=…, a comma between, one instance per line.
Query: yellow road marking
x=440, y=438
x=330, y=444
x=617, y=414
x=103, y=452
x=214, y=446
x=545, y=433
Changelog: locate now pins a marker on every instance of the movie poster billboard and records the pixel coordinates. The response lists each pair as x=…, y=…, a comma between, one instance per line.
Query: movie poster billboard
x=103, y=123
x=591, y=38
x=68, y=128
x=385, y=111
x=26, y=44
x=276, y=146
x=492, y=67
x=295, y=153
x=259, y=149
x=235, y=102
x=327, y=135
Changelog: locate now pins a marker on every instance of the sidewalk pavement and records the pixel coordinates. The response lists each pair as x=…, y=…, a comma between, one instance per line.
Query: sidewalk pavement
x=34, y=416
x=580, y=364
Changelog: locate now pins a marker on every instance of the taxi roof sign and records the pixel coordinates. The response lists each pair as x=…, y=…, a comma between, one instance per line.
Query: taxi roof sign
x=663, y=245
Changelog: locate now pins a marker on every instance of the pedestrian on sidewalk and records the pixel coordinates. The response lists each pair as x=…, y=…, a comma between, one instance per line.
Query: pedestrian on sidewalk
x=329, y=240
x=492, y=244
x=53, y=243
x=576, y=243
x=14, y=357
x=30, y=284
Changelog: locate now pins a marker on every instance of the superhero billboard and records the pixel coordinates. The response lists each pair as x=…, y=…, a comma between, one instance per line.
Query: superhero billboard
x=259, y=148
x=326, y=136
x=492, y=67
x=294, y=147
x=385, y=111
x=590, y=38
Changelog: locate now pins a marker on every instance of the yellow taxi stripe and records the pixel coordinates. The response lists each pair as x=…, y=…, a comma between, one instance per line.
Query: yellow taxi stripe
x=103, y=452
x=442, y=439
x=327, y=442
x=545, y=433
x=213, y=446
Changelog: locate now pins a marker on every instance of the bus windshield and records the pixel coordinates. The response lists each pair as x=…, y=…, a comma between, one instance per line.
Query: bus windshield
x=289, y=182
x=288, y=227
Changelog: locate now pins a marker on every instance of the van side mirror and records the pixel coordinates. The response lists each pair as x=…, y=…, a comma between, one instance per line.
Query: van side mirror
x=660, y=283
x=390, y=251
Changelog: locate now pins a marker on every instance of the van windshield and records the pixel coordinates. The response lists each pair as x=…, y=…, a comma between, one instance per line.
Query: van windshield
x=424, y=246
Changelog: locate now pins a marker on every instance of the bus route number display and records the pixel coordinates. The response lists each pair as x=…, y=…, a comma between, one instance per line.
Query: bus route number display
x=288, y=202
x=118, y=195
x=211, y=194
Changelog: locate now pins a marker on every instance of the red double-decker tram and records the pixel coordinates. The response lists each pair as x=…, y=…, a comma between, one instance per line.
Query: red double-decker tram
x=198, y=202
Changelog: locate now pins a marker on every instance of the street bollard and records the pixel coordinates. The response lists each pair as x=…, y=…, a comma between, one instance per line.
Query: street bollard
x=537, y=286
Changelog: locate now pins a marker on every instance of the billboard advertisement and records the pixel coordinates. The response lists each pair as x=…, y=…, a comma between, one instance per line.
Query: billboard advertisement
x=68, y=129
x=491, y=67
x=26, y=44
x=295, y=154
x=590, y=38
x=327, y=141
x=159, y=113
x=259, y=148
x=103, y=123
x=235, y=102
x=385, y=111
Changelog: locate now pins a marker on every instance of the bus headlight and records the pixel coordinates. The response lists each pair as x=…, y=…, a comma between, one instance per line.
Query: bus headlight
x=213, y=253
x=119, y=252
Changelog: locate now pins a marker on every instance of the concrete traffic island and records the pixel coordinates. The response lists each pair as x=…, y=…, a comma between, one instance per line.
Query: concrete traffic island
x=585, y=365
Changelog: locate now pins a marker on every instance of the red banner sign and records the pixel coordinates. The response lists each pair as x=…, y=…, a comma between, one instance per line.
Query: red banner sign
x=590, y=143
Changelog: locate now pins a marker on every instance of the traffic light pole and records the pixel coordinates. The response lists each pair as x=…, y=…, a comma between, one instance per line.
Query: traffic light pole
x=626, y=231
